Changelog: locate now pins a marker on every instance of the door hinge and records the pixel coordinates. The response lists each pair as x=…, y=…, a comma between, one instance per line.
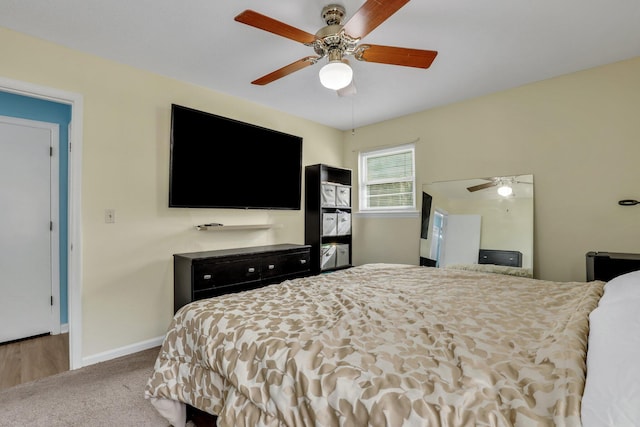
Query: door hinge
x=51, y=299
x=50, y=225
x=50, y=151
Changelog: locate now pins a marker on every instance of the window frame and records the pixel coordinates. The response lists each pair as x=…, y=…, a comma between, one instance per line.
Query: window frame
x=364, y=208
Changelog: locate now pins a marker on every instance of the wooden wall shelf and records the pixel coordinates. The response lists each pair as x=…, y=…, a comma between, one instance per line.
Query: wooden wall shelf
x=213, y=227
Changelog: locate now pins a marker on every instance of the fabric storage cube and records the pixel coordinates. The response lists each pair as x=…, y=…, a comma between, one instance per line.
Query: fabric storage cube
x=343, y=195
x=328, y=196
x=343, y=223
x=328, y=254
x=329, y=224
x=342, y=255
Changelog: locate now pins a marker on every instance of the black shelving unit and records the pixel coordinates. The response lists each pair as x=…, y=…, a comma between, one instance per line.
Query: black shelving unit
x=328, y=217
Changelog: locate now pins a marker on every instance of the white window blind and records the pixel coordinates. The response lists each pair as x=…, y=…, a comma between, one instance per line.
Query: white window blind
x=387, y=179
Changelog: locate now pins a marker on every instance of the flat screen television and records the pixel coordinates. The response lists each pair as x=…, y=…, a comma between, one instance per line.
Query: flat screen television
x=217, y=162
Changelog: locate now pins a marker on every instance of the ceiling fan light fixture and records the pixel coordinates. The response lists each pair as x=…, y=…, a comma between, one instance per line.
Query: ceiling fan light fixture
x=505, y=190
x=335, y=75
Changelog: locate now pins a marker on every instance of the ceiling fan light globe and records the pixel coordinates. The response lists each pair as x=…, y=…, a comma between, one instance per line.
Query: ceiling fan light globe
x=335, y=75
x=505, y=190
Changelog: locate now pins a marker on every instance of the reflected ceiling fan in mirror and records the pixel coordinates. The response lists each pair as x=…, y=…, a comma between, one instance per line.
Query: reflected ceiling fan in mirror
x=335, y=41
x=504, y=183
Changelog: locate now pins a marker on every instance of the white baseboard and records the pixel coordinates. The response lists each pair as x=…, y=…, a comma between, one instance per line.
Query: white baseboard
x=64, y=328
x=122, y=351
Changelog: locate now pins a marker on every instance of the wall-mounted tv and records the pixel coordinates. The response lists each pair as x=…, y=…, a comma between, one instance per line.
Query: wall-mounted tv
x=217, y=162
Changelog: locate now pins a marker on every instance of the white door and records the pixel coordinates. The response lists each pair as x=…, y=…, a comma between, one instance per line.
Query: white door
x=29, y=281
x=461, y=240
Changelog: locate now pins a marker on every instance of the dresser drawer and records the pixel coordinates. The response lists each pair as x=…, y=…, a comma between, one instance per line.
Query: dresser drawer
x=285, y=264
x=206, y=274
x=223, y=290
x=212, y=275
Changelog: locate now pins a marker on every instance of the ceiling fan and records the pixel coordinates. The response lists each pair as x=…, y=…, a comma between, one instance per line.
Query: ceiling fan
x=497, y=181
x=336, y=40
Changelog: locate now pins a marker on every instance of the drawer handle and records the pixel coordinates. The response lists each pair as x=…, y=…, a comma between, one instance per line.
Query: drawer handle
x=206, y=277
x=251, y=270
x=303, y=261
x=271, y=266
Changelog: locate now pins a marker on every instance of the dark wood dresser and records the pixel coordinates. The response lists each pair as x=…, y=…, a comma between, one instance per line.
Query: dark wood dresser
x=500, y=257
x=198, y=275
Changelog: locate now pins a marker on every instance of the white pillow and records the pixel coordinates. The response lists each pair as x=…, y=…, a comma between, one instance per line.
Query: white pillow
x=622, y=288
x=612, y=390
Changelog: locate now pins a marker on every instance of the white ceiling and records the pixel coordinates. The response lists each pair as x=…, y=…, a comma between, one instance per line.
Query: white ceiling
x=483, y=47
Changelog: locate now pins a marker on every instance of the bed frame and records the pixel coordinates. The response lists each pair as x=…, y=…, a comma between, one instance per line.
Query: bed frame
x=607, y=265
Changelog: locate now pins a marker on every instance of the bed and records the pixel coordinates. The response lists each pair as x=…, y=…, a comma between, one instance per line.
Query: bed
x=394, y=345
x=493, y=268
x=496, y=261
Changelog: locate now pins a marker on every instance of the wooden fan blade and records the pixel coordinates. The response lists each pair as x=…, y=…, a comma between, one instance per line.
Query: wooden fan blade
x=396, y=55
x=482, y=186
x=271, y=25
x=370, y=15
x=286, y=70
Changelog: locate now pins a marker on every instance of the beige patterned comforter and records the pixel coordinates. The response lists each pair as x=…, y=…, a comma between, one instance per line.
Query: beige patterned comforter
x=384, y=345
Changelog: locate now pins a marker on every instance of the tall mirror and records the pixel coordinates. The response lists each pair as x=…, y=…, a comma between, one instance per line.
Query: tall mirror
x=478, y=221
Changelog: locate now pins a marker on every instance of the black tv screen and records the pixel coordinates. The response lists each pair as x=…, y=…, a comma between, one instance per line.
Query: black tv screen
x=217, y=162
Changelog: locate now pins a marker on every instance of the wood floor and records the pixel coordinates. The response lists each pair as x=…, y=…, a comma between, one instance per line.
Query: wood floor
x=33, y=358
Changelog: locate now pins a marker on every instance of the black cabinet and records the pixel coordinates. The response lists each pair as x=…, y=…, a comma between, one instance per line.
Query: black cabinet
x=199, y=275
x=500, y=257
x=328, y=217
x=608, y=265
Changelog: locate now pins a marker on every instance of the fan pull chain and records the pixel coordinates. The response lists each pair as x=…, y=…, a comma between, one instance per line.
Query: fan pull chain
x=353, y=120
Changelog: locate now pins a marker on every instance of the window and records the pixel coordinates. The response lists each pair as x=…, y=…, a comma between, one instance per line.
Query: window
x=387, y=180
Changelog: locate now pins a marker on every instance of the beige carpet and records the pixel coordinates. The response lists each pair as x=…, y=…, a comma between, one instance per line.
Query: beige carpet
x=105, y=394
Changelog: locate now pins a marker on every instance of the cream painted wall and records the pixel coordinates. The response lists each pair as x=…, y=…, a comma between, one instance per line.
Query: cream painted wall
x=579, y=135
x=127, y=283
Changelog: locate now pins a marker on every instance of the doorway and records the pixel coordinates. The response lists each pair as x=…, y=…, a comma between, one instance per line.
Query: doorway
x=460, y=239
x=70, y=240
x=29, y=260
x=437, y=235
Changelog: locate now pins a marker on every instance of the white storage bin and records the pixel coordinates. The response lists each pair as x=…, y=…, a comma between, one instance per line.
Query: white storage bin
x=344, y=223
x=329, y=224
x=343, y=195
x=342, y=255
x=328, y=196
x=328, y=257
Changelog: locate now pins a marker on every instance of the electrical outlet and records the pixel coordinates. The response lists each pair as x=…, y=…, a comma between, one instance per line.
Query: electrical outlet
x=109, y=216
